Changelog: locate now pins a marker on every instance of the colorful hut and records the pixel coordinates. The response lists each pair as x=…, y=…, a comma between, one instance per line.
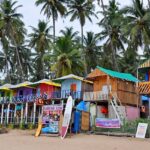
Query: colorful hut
x=113, y=90
x=46, y=89
x=144, y=88
x=74, y=85
x=22, y=92
x=6, y=108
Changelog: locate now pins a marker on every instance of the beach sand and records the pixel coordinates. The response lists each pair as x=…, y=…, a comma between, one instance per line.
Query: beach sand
x=24, y=140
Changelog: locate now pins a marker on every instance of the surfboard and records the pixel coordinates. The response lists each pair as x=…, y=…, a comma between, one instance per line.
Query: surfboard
x=67, y=117
x=38, y=131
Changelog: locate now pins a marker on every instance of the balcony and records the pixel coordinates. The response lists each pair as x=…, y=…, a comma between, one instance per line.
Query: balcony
x=4, y=100
x=95, y=96
x=144, y=88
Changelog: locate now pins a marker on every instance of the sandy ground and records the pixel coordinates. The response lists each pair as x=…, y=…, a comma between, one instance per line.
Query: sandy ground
x=24, y=140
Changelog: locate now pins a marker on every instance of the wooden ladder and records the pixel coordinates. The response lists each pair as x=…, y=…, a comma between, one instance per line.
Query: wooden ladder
x=120, y=114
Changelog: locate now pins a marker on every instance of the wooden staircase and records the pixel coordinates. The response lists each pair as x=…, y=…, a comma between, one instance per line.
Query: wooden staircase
x=118, y=108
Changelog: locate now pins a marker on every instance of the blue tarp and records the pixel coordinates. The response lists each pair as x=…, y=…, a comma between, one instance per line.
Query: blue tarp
x=145, y=98
x=77, y=115
x=81, y=106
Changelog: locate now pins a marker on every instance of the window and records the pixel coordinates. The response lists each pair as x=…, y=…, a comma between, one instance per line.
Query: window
x=73, y=87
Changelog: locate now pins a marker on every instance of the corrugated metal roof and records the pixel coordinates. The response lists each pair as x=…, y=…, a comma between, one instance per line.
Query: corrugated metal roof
x=146, y=64
x=6, y=87
x=45, y=81
x=123, y=76
x=71, y=76
x=24, y=84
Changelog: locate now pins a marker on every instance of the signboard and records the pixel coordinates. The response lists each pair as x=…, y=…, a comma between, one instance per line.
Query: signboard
x=141, y=130
x=67, y=117
x=85, y=121
x=51, y=118
x=51, y=109
x=107, y=123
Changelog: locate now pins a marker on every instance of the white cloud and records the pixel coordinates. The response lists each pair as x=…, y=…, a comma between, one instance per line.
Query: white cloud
x=32, y=14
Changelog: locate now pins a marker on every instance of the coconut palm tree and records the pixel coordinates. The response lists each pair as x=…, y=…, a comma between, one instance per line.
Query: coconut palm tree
x=68, y=32
x=92, y=50
x=52, y=8
x=111, y=33
x=12, y=27
x=81, y=10
x=66, y=57
x=40, y=40
x=137, y=26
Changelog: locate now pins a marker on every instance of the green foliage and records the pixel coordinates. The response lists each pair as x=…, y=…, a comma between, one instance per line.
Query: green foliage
x=11, y=126
x=22, y=126
x=31, y=126
x=128, y=127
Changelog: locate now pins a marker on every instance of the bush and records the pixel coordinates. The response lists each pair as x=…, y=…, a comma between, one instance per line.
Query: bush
x=31, y=126
x=22, y=126
x=11, y=126
x=128, y=127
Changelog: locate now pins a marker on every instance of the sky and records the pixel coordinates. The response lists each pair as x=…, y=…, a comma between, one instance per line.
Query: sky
x=32, y=14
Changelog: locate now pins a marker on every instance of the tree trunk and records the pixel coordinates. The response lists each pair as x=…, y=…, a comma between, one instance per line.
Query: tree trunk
x=148, y=3
x=7, y=68
x=85, y=64
x=53, y=15
x=5, y=55
x=114, y=58
x=19, y=61
x=82, y=35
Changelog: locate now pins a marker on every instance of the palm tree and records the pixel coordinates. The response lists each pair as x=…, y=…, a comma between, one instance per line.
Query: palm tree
x=66, y=57
x=12, y=26
x=25, y=57
x=81, y=10
x=68, y=32
x=52, y=8
x=137, y=26
x=111, y=30
x=40, y=40
x=92, y=50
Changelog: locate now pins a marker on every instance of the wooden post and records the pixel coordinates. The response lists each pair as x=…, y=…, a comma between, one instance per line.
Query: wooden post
x=34, y=113
x=22, y=114
x=15, y=119
x=8, y=110
x=26, y=113
x=2, y=113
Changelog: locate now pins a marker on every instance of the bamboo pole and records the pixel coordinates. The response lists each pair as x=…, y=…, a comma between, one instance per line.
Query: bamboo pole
x=34, y=112
x=22, y=114
x=8, y=110
x=26, y=113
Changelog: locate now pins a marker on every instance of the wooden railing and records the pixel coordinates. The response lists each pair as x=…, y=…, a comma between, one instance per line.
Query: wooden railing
x=95, y=96
x=144, y=87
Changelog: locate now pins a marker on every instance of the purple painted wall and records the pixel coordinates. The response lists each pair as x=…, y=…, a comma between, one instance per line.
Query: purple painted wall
x=132, y=113
x=26, y=91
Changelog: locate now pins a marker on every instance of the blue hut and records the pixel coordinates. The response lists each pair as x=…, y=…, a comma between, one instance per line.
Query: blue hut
x=74, y=85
